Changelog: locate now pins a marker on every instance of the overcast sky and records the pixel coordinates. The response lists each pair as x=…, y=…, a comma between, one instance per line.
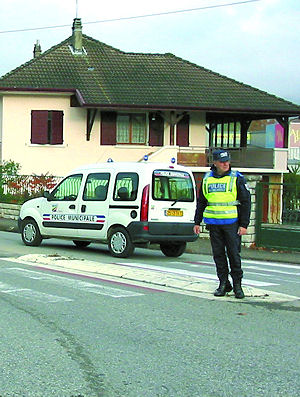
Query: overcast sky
x=257, y=43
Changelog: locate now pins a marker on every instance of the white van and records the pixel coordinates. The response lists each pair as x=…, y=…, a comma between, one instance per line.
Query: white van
x=122, y=204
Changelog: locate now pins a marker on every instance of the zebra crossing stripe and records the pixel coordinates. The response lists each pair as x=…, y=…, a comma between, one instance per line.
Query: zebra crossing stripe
x=73, y=283
x=28, y=293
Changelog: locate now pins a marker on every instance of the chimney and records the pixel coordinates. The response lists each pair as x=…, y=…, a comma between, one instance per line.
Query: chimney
x=77, y=36
x=37, y=50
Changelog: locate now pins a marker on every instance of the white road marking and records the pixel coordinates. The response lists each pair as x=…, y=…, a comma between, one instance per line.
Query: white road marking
x=73, y=283
x=28, y=293
x=271, y=270
x=272, y=264
x=244, y=261
x=182, y=272
x=260, y=274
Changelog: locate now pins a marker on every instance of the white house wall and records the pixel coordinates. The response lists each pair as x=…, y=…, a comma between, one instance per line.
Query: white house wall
x=38, y=159
x=198, y=133
x=75, y=150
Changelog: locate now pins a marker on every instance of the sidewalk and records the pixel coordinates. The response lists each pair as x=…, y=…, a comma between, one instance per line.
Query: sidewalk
x=202, y=246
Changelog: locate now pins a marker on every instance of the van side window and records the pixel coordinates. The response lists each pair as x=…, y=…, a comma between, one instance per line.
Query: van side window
x=96, y=187
x=126, y=186
x=68, y=189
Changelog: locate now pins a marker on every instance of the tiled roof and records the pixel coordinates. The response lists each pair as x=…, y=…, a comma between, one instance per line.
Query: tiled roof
x=107, y=76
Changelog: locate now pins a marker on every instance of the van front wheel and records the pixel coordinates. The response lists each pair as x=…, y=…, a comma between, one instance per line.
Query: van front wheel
x=173, y=249
x=31, y=233
x=119, y=243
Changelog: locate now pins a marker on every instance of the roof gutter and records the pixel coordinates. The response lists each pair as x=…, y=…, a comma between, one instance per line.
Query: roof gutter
x=26, y=89
x=192, y=108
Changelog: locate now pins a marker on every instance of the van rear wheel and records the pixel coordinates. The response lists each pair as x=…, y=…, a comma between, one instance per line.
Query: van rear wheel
x=172, y=249
x=119, y=243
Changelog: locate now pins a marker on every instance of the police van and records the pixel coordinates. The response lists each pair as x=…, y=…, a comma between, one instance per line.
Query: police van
x=123, y=204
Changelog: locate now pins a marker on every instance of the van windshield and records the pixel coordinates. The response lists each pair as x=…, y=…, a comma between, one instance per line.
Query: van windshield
x=172, y=185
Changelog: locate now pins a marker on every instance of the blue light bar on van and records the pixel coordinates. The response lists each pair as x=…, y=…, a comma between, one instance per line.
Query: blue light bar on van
x=146, y=157
x=110, y=160
x=173, y=160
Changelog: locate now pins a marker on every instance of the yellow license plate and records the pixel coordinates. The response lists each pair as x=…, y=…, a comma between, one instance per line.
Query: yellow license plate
x=174, y=213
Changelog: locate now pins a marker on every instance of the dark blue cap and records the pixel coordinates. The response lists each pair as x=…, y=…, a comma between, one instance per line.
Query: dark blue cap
x=221, y=155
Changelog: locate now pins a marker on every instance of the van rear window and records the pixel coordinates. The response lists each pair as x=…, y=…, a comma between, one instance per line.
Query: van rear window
x=172, y=185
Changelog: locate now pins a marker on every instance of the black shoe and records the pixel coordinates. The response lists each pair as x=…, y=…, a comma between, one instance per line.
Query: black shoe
x=237, y=289
x=224, y=287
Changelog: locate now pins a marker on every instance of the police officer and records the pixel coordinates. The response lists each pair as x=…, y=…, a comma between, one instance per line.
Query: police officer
x=224, y=205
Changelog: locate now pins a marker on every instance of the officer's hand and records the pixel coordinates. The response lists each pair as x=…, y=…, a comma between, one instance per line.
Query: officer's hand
x=242, y=231
x=197, y=229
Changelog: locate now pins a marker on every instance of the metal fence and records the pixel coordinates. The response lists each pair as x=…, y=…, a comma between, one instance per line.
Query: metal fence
x=26, y=185
x=278, y=215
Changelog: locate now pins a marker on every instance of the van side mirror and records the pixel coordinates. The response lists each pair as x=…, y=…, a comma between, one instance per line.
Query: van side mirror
x=47, y=195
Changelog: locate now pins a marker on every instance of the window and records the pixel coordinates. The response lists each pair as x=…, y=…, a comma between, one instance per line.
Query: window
x=126, y=186
x=172, y=185
x=46, y=127
x=131, y=128
x=68, y=189
x=96, y=187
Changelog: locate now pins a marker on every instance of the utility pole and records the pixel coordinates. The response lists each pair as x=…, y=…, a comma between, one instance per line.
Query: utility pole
x=76, y=8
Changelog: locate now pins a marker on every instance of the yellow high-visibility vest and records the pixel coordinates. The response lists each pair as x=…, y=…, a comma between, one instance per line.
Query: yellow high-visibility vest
x=221, y=194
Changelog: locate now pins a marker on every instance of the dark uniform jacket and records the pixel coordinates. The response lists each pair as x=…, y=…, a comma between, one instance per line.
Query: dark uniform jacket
x=243, y=196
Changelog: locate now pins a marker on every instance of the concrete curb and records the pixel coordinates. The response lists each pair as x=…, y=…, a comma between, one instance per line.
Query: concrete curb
x=202, y=247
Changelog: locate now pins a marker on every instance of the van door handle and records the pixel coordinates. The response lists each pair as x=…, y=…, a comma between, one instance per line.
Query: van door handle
x=72, y=207
x=83, y=208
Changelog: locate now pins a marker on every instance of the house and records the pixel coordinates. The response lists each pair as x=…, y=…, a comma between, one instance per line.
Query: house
x=84, y=101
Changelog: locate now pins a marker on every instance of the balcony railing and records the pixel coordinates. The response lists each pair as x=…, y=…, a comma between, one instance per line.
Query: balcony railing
x=249, y=157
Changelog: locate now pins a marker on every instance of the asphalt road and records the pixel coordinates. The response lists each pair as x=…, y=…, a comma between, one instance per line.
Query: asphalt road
x=68, y=335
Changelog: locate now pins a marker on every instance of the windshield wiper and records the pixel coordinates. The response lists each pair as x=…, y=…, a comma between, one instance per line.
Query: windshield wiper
x=178, y=199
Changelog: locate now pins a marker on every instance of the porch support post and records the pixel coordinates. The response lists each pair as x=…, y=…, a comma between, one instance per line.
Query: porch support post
x=245, y=124
x=284, y=122
x=90, y=118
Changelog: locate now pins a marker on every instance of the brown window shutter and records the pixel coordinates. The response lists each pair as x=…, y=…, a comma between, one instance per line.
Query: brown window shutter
x=108, y=128
x=156, y=130
x=57, y=127
x=182, y=135
x=39, y=127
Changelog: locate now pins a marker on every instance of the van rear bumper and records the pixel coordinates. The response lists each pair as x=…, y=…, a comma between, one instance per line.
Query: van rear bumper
x=159, y=232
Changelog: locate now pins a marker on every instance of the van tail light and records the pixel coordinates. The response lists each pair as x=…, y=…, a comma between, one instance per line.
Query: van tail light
x=145, y=204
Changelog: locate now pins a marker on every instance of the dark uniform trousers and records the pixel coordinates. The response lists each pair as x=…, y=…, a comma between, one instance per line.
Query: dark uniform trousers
x=226, y=242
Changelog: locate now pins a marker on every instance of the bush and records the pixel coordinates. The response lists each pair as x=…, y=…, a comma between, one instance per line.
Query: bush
x=15, y=188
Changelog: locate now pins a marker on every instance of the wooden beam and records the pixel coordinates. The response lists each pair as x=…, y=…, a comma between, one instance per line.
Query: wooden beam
x=172, y=120
x=212, y=127
x=234, y=134
x=90, y=118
